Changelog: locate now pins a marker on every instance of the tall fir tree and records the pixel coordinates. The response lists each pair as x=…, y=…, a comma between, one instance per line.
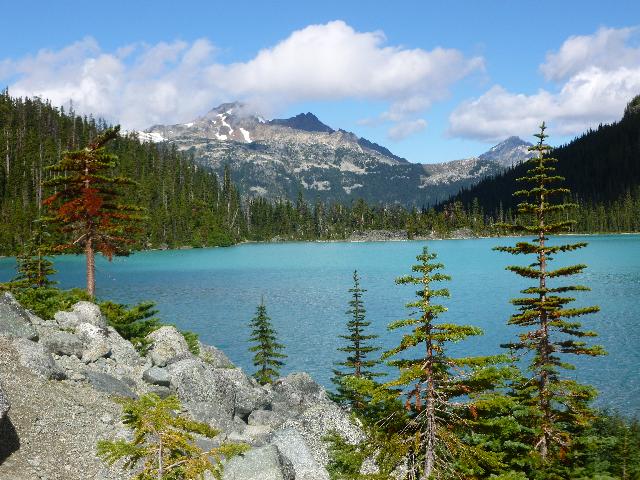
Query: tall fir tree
x=434, y=383
x=358, y=348
x=85, y=204
x=34, y=268
x=557, y=406
x=267, y=351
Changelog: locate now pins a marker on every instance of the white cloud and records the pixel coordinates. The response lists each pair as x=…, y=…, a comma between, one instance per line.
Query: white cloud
x=139, y=85
x=600, y=74
x=406, y=128
x=608, y=48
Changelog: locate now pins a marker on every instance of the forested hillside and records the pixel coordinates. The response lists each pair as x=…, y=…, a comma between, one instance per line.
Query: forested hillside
x=602, y=168
x=185, y=203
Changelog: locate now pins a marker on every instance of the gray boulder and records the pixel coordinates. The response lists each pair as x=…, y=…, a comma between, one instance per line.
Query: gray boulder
x=14, y=320
x=94, y=341
x=103, y=382
x=265, y=463
x=95, y=351
x=254, y=435
x=157, y=376
x=62, y=343
x=68, y=320
x=162, y=392
x=249, y=396
x=122, y=351
x=292, y=446
x=215, y=357
x=321, y=419
x=81, y=312
x=267, y=418
x=205, y=394
x=88, y=312
x=167, y=346
x=4, y=404
x=297, y=391
x=33, y=356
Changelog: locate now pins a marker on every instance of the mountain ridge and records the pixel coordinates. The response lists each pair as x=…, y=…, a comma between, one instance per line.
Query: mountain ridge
x=277, y=158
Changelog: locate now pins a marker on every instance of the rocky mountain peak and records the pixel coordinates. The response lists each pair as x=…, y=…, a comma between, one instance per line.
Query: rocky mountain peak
x=227, y=108
x=303, y=121
x=508, y=153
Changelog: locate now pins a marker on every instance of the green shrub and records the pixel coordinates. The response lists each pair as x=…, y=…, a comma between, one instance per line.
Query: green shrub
x=164, y=442
x=46, y=301
x=192, y=341
x=134, y=323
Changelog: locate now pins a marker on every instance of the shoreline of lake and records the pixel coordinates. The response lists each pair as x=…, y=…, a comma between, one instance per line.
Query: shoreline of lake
x=373, y=236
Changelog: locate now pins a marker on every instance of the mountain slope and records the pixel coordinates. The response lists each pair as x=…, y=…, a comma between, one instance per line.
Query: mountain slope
x=600, y=166
x=280, y=157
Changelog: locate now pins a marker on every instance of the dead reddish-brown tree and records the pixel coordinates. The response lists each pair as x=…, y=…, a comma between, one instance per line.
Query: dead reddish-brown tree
x=85, y=204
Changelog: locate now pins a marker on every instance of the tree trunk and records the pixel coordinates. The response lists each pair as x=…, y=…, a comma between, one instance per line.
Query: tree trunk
x=91, y=267
x=543, y=346
x=430, y=447
x=430, y=433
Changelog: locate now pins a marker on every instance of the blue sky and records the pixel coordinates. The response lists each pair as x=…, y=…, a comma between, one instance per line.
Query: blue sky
x=432, y=81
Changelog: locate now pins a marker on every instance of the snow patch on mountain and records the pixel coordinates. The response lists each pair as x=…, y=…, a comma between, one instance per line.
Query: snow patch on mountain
x=153, y=137
x=320, y=185
x=349, y=189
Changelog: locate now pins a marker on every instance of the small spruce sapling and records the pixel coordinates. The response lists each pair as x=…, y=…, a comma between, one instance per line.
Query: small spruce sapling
x=134, y=323
x=267, y=351
x=163, y=445
x=34, y=268
x=358, y=348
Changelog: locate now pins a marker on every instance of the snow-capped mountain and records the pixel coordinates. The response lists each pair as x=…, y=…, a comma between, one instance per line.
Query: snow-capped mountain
x=278, y=158
x=508, y=152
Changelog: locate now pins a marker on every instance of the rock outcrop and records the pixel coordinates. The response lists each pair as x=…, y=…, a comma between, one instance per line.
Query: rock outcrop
x=62, y=390
x=4, y=404
x=167, y=346
x=263, y=463
x=15, y=321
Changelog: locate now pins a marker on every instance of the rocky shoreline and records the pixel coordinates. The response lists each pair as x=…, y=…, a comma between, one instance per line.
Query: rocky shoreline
x=401, y=235
x=59, y=379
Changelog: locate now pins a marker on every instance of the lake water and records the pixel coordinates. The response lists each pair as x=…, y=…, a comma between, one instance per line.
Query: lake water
x=214, y=292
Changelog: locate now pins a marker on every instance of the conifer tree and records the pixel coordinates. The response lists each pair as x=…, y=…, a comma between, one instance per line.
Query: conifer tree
x=133, y=324
x=85, y=204
x=268, y=356
x=163, y=444
x=431, y=380
x=358, y=348
x=34, y=268
x=557, y=406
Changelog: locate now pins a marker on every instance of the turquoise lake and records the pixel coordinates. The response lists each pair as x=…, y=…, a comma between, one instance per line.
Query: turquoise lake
x=214, y=292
